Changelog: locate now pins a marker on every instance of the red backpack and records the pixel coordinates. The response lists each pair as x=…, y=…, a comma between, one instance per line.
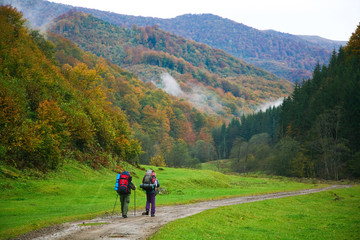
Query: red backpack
x=123, y=182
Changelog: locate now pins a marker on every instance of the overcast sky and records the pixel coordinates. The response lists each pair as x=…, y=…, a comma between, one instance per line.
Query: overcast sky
x=332, y=19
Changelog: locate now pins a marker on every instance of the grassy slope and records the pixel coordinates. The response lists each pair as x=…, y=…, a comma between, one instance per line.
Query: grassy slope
x=315, y=216
x=77, y=192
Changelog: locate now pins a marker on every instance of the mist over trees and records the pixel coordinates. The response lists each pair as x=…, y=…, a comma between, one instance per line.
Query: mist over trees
x=210, y=79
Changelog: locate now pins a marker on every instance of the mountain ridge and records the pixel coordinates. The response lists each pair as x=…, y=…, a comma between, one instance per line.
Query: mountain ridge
x=285, y=55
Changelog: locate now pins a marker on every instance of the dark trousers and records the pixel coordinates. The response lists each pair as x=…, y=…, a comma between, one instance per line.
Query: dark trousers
x=150, y=199
x=125, y=200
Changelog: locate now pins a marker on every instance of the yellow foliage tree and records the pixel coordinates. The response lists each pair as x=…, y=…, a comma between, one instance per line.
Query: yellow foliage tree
x=158, y=160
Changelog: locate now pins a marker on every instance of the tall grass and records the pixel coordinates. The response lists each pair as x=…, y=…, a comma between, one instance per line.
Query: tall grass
x=77, y=192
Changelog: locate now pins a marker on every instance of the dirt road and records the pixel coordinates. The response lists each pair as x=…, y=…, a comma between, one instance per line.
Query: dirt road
x=141, y=227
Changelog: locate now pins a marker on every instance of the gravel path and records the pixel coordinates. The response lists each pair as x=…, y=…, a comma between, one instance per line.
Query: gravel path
x=142, y=227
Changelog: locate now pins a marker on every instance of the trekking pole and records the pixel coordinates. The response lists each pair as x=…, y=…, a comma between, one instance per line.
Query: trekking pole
x=134, y=202
x=114, y=205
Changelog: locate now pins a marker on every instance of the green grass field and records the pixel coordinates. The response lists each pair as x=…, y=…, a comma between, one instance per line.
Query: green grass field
x=77, y=192
x=327, y=215
x=223, y=165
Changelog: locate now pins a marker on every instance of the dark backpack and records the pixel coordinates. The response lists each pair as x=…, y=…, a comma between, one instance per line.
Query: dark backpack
x=122, y=181
x=148, y=182
x=148, y=178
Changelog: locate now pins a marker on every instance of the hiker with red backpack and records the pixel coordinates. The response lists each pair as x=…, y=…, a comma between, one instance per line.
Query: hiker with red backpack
x=149, y=184
x=123, y=187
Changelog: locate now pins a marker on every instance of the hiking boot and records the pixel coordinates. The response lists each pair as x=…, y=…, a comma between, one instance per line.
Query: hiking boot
x=146, y=213
x=153, y=215
x=124, y=216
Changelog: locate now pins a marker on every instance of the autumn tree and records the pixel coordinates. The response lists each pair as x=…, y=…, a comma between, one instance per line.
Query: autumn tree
x=50, y=111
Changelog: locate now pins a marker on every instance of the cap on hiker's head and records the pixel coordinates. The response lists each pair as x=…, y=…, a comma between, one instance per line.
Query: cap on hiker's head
x=153, y=173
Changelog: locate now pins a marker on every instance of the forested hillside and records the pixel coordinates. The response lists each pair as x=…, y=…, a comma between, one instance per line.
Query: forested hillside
x=314, y=133
x=285, y=55
x=45, y=115
x=58, y=102
x=322, y=117
x=210, y=79
x=160, y=121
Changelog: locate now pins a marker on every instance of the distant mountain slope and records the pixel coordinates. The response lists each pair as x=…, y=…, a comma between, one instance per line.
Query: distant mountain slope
x=38, y=12
x=329, y=44
x=211, y=79
x=285, y=55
